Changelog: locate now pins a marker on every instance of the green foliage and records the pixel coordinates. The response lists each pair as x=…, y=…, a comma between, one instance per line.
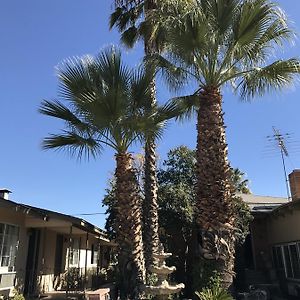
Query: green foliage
x=133, y=20
x=176, y=194
x=238, y=181
x=18, y=296
x=103, y=103
x=202, y=270
x=214, y=291
x=214, y=43
x=243, y=219
x=109, y=201
x=72, y=279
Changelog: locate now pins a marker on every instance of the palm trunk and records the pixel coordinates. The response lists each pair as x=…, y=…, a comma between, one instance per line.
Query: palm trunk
x=150, y=205
x=129, y=229
x=214, y=193
x=151, y=238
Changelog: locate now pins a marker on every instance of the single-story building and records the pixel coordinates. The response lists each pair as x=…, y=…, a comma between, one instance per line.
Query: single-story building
x=271, y=253
x=43, y=251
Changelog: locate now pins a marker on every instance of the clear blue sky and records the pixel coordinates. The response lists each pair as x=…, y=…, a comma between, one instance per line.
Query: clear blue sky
x=35, y=36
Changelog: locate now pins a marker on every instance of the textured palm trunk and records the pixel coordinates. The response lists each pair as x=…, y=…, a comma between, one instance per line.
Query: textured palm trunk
x=129, y=229
x=150, y=205
x=214, y=192
x=151, y=238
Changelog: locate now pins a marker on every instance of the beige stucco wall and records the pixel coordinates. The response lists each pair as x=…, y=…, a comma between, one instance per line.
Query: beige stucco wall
x=271, y=230
x=47, y=280
x=284, y=228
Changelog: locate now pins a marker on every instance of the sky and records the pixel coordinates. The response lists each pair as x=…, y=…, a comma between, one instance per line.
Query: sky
x=37, y=35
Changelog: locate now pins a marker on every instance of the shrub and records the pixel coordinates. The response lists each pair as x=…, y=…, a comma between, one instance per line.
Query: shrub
x=214, y=292
x=18, y=296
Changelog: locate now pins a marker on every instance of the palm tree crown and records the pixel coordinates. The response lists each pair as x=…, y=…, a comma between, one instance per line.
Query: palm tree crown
x=106, y=104
x=227, y=41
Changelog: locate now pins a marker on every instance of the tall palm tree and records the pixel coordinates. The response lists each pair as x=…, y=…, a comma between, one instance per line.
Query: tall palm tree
x=102, y=104
x=134, y=20
x=125, y=18
x=213, y=45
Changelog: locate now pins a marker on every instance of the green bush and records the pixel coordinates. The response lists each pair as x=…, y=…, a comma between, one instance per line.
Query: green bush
x=214, y=292
x=18, y=296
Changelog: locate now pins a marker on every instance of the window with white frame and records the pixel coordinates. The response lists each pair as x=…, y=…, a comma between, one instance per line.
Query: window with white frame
x=9, y=239
x=287, y=257
x=95, y=254
x=74, y=252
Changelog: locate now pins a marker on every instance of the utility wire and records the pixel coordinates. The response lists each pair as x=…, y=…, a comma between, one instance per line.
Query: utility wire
x=90, y=214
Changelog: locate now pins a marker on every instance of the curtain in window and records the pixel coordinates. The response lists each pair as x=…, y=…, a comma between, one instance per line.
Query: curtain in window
x=9, y=239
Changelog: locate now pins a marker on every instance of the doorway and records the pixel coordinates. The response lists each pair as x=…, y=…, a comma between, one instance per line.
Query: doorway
x=32, y=261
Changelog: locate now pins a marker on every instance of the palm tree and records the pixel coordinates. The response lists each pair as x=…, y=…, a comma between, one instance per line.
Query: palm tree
x=213, y=45
x=134, y=20
x=105, y=107
x=239, y=182
x=125, y=18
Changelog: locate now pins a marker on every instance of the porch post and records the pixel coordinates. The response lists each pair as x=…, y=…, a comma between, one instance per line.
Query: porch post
x=86, y=256
x=98, y=258
x=68, y=262
x=43, y=258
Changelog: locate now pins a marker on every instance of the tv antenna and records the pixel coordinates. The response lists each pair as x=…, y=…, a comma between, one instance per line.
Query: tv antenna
x=279, y=138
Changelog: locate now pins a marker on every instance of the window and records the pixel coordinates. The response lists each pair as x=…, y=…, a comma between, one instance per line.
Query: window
x=287, y=257
x=74, y=252
x=288, y=262
x=278, y=258
x=95, y=255
x=9, y=239
x=295, y=261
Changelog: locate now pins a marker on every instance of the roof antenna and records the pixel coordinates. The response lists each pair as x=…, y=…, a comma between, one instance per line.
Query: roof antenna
x=280, y=143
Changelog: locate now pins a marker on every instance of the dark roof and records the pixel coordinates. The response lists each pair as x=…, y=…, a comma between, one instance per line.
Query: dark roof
x=4, y=190
x=45, y=214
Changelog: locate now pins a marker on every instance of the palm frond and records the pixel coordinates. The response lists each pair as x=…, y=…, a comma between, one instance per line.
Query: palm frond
x=142, y=86
x=171, y=109
x=220, y=13
x=259, y=25
x=58, y=110
x=127, y=3
x=277, y=76
x=73, y=143
x=106, y=103
x=130, y=36
x=115, y=16
x=186, y=106
x=174, y=75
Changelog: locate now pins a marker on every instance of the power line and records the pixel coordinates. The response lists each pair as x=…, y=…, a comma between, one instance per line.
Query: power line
x=89, y=214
